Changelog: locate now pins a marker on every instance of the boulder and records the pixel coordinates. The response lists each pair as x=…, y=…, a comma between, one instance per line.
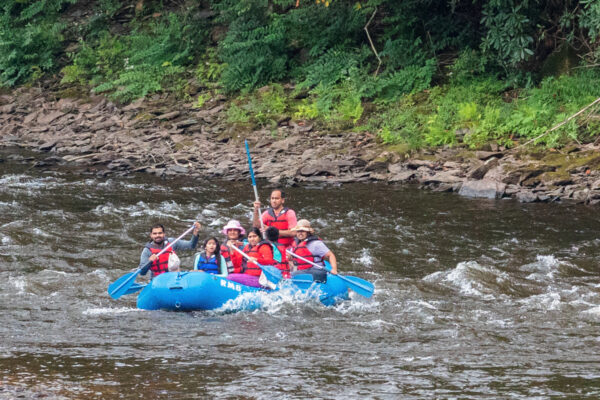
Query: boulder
x=526, y=196
x=482, y=188
x=479, y=172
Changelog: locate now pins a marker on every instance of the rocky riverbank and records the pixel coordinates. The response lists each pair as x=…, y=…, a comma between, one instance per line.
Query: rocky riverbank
x=165, y=139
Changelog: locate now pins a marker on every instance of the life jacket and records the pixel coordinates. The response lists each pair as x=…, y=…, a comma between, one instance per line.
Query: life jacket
x=160, y=265
x=301, y=249
x=280, y=257
x=226, y=254
x=211, y=266
x=249, y=267
x=280, y=222
x=227, y=257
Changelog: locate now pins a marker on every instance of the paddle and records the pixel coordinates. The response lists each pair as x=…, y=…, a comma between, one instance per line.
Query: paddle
x=254, y=186
x=122, y=285
x=272, y=274
x=360, y=286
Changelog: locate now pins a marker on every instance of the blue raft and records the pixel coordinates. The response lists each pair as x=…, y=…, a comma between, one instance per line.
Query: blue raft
x=189, y=291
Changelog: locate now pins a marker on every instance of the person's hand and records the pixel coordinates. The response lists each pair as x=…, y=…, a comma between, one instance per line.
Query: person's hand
x=197, y=228
x=153, y=257
x=252, y=259
x=256, y=205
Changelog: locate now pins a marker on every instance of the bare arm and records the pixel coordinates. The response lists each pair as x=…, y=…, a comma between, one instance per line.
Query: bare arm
x=255, y=215
x=332, y=260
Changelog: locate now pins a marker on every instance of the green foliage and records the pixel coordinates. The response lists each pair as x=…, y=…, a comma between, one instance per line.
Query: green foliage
x=151, y=59
x=30, y=38
x=262, y=108
x=209, y=69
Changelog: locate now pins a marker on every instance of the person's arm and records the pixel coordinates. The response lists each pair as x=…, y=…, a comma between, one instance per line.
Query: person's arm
x=332, y=260
x=145, y=258
x=188, y=244
x=255, y=215
x=290, y=215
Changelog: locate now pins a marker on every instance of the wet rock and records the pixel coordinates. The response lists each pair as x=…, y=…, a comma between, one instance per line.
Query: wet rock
x=482, y=188
x=526, y=197
x=415, y=164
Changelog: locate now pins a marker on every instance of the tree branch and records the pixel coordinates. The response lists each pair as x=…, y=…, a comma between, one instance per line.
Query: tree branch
x=371, y=41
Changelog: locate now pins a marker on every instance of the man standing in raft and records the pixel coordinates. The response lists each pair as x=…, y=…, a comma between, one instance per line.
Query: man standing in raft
x=158, y=241
x=311, y=248
x=278, y=216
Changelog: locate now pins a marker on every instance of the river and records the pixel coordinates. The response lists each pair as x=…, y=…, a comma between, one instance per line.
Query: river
x=474, y=298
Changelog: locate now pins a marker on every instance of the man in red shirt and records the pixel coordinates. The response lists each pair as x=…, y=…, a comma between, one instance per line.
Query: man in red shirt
x=279, y=216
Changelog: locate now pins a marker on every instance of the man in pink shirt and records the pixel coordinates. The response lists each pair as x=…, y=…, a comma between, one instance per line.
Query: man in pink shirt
x=277, y=216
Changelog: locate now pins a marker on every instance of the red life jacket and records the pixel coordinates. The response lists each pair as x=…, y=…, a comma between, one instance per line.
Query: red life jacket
x=227, y=257
x=280, y=222
x=231, y=267
x=160, y=265
x=249, y=267
x=301, y=249
x=282, y=265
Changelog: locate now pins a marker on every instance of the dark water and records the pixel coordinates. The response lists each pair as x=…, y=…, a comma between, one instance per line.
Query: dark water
x=474, y=299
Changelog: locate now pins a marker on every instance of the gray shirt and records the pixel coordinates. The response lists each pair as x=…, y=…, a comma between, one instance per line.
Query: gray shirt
x=318, y=248
x=181, y=245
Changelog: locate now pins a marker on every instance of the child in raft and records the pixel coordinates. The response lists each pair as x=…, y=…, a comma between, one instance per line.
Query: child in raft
x=210, y=260
x=260, y=252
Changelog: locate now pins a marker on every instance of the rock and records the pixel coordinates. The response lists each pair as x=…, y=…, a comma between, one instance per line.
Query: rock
x=479, y=172
x=135, y=105
x=168, y=116
x=482, y=188
x=301, y=126
x=318, y=169
x=401, y=176
x=48, y=118
x=285, y=144
x=49, y=145
x=580, y=196
x=526, y=197
x=486, y=155
x=595, y=185
x=415, y=164
x=442, y=177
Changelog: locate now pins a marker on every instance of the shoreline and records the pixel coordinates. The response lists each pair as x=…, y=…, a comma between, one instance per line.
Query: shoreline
x=166, y=139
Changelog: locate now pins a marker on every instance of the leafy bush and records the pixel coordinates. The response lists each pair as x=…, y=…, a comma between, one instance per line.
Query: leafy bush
x=30, y=38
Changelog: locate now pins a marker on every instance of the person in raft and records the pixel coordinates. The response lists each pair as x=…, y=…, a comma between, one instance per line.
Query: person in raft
x=278, y=216
x=279, y=254
x=210, y=260
x=259, y=252
x=234, y=233
x=312, y=248
x=158, y=241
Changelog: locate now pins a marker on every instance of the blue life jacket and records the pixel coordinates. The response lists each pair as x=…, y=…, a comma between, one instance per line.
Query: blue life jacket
x=211, y=266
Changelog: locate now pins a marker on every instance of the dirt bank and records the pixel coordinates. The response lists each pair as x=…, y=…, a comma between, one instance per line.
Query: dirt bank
x=151, y=136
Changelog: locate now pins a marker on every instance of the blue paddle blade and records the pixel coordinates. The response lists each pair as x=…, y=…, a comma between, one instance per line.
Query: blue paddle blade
x=272, y=274
x=136, y=287
x=120, y=287
x=360, y=286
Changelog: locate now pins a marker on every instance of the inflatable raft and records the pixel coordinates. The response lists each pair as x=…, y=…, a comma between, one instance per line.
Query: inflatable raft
x=189, y=291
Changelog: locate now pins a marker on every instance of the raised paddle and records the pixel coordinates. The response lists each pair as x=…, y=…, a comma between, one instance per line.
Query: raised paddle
x=254, y=185
x=122, y=285
x=272, y=274
x=360, y=286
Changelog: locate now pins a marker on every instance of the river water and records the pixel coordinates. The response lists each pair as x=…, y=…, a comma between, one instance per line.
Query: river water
x=474, y=298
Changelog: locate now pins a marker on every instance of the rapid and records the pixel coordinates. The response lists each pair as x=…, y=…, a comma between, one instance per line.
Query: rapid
x=474, y=298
